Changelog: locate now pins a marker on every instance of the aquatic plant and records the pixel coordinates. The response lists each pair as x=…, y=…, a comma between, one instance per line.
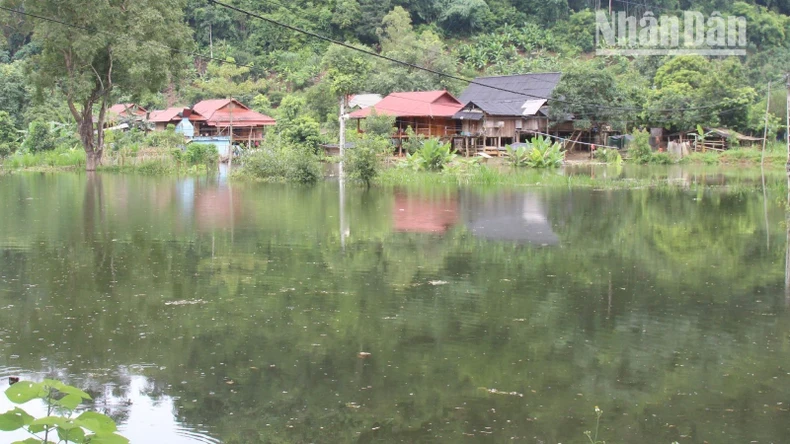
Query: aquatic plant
x=593, y=437
x=517, y=157
x=544, y=153
x=61, y=401
x=432, y=156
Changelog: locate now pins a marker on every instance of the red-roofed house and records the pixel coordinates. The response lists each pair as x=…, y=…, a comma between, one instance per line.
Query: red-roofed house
x=162, y=118
x=124, y=112
x=127, y=110
x=429, y=112
x=220, y=114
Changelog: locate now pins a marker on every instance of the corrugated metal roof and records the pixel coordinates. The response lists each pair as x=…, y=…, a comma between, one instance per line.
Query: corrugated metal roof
x=528, y=91
x=127, y=109
x=414, y=104
x=364, y=100
x=173, y=114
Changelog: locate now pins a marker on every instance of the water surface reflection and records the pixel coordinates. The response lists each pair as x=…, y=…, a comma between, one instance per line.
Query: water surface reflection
x=200, y=310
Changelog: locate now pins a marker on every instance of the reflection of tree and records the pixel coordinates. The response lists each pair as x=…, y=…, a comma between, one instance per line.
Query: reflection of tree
x=651, y=306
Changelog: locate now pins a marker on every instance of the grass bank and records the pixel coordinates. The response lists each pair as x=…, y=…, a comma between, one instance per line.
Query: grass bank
x=591, y=177
x=58, y=159
x=775, y=156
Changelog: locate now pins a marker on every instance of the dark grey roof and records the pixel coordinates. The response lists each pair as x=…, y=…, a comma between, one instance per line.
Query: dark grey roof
x=466, y=115
x=487, y=92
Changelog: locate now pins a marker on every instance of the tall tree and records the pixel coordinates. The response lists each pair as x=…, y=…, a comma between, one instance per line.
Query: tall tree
x=109, y=45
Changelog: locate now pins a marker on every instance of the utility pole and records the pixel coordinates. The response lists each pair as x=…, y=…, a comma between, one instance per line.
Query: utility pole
x=610, y=8
x=342, y=144
x=211, y=40
x=230, y=135
x=787, y=210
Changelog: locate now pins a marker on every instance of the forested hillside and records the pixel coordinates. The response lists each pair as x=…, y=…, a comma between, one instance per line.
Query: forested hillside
x=282, y=72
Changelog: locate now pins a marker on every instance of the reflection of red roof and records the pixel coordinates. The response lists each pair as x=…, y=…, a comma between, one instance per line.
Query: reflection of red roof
x=421, y=215
x=174, y=114
x=216, y=208
x=218, y=113
x=414, y=104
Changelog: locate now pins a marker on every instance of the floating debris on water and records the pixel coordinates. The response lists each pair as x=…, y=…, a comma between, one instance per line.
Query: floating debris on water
x=494, y=391
x=438, y=282
x=186, y=302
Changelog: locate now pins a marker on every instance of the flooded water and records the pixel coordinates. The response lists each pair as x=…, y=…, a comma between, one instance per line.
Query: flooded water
x=200, y=311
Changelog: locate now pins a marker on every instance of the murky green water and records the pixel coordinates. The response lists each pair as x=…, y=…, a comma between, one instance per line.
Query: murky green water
x=200, y=312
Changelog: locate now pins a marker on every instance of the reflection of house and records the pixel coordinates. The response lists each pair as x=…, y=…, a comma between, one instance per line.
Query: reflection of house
x=499, y=111
x=429, y=113
x=222, y=114
x=424, y=215
x=512, y=217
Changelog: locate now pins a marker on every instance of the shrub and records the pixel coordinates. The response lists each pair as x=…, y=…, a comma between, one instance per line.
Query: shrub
x=609, y=155
x=6, y=149
x=413, y=142
x=282, y=164
x=639, y=150
x=363, y=162
x=661, y=159
x=303, y=166
x=39, y=138
x=168, y=138
x=380, y=125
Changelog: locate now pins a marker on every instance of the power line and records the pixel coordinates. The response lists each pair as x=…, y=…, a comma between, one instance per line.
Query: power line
x=161, y=45
x=429, y=70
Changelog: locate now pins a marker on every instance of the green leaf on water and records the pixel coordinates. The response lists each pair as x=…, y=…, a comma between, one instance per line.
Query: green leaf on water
x=24, y=391
x=96, y=422
x=14, y=419
x=107, y=438
x=71, y=433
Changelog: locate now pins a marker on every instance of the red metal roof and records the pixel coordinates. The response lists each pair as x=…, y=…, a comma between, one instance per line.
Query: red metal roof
x=414, y=104
x=127, y=109
x=174, y=114
x=218, y=113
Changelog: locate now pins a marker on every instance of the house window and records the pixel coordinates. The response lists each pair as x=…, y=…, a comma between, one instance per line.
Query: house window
x=490, y=141
x=507, y=141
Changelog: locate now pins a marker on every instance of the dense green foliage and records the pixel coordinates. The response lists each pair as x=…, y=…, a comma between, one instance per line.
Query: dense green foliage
x=539, y=152
x=280, y=162
x=364, y=161
x=298, y=79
